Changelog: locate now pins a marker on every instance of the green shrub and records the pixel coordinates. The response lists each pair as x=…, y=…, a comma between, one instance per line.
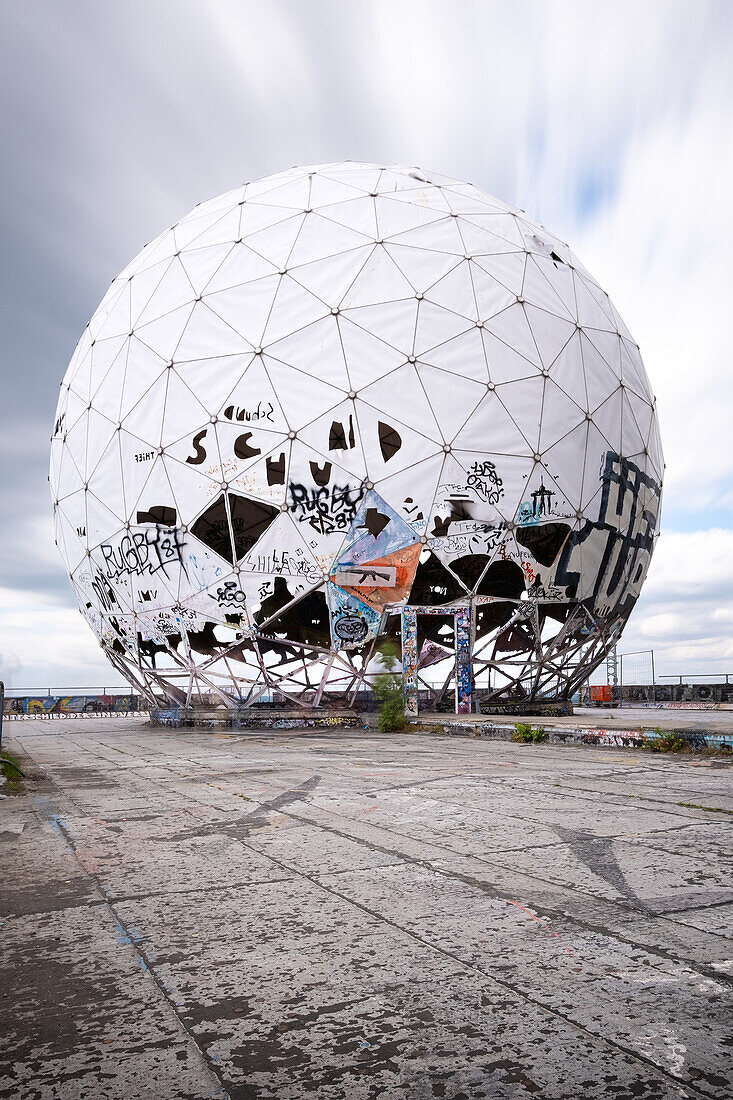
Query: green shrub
x=525, y=734
x=10, y=768
x=388, y=691
x=666, y=741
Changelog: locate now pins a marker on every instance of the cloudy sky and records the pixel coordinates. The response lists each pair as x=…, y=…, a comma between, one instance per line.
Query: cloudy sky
x=610, y=123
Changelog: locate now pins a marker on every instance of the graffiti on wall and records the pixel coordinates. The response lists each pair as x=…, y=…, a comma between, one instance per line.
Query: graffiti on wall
x=71, y=704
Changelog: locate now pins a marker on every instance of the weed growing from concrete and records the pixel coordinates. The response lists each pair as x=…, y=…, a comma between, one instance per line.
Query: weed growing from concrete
x=525, y=734
x=708, y=809
x=666, y=741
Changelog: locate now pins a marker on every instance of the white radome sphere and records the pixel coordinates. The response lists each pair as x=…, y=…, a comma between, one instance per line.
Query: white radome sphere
x=338, y=390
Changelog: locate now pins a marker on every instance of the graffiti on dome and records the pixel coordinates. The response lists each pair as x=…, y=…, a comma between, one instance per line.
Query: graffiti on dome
x=263, y=410
x=616, y=548
x=143, y=553
x=485, y=481
x=325, y=509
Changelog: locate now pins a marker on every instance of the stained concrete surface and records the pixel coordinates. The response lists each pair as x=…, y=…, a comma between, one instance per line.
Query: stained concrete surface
x=609, y=718
x=352, y=915
x=667, y=718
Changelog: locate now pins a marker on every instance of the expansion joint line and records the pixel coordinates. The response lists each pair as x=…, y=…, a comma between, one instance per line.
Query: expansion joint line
x=493, y=891
x=528, y=997
x=147, y=965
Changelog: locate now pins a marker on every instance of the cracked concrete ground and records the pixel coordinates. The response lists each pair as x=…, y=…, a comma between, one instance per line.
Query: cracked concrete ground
x=351, y=915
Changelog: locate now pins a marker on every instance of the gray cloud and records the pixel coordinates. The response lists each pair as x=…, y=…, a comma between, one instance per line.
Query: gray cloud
x=120, y=117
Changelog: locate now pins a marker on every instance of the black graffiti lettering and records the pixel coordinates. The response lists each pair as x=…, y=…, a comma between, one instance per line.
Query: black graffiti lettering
x=325, y=510
x=104, y=592
x=390, y=440
x=199, y=455
x=159, y=513
x=337, y=436
x=143, y=553
x=130, y=555
x=243, y=448
x=276, y=470
x=623, y=553
x=229, y=594
x=485, y=481
x=263, y=411
x=321, y=474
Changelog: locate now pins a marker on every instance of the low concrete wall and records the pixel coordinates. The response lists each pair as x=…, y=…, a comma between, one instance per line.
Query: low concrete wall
x=219, y=718
x=572, y=735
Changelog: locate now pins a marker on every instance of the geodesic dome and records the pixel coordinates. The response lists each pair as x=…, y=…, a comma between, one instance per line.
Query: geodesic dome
x=345, y=402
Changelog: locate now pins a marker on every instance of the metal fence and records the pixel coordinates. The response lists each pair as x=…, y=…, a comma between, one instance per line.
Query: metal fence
x=680, y=694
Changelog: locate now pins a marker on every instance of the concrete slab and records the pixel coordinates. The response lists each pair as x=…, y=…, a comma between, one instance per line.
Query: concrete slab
x=344, y=914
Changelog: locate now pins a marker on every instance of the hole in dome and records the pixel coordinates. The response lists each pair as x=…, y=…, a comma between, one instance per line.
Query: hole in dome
x=543, y=542
x=491, y=616
x=558, y=259
x=438, y=629
x=469, y=568
x=433, y=583
x=249, y=520
x=516, y=638
x=150, y=649
x=557, y=611
x=503, y=579
x=459, y=509
x=204, y=641
x=305, y=622
x=375, y=522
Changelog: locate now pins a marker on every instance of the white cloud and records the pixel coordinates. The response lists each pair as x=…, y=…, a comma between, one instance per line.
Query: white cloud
x=48, y=644
x=610, y=123
x=662, y=247
x=685, y=613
